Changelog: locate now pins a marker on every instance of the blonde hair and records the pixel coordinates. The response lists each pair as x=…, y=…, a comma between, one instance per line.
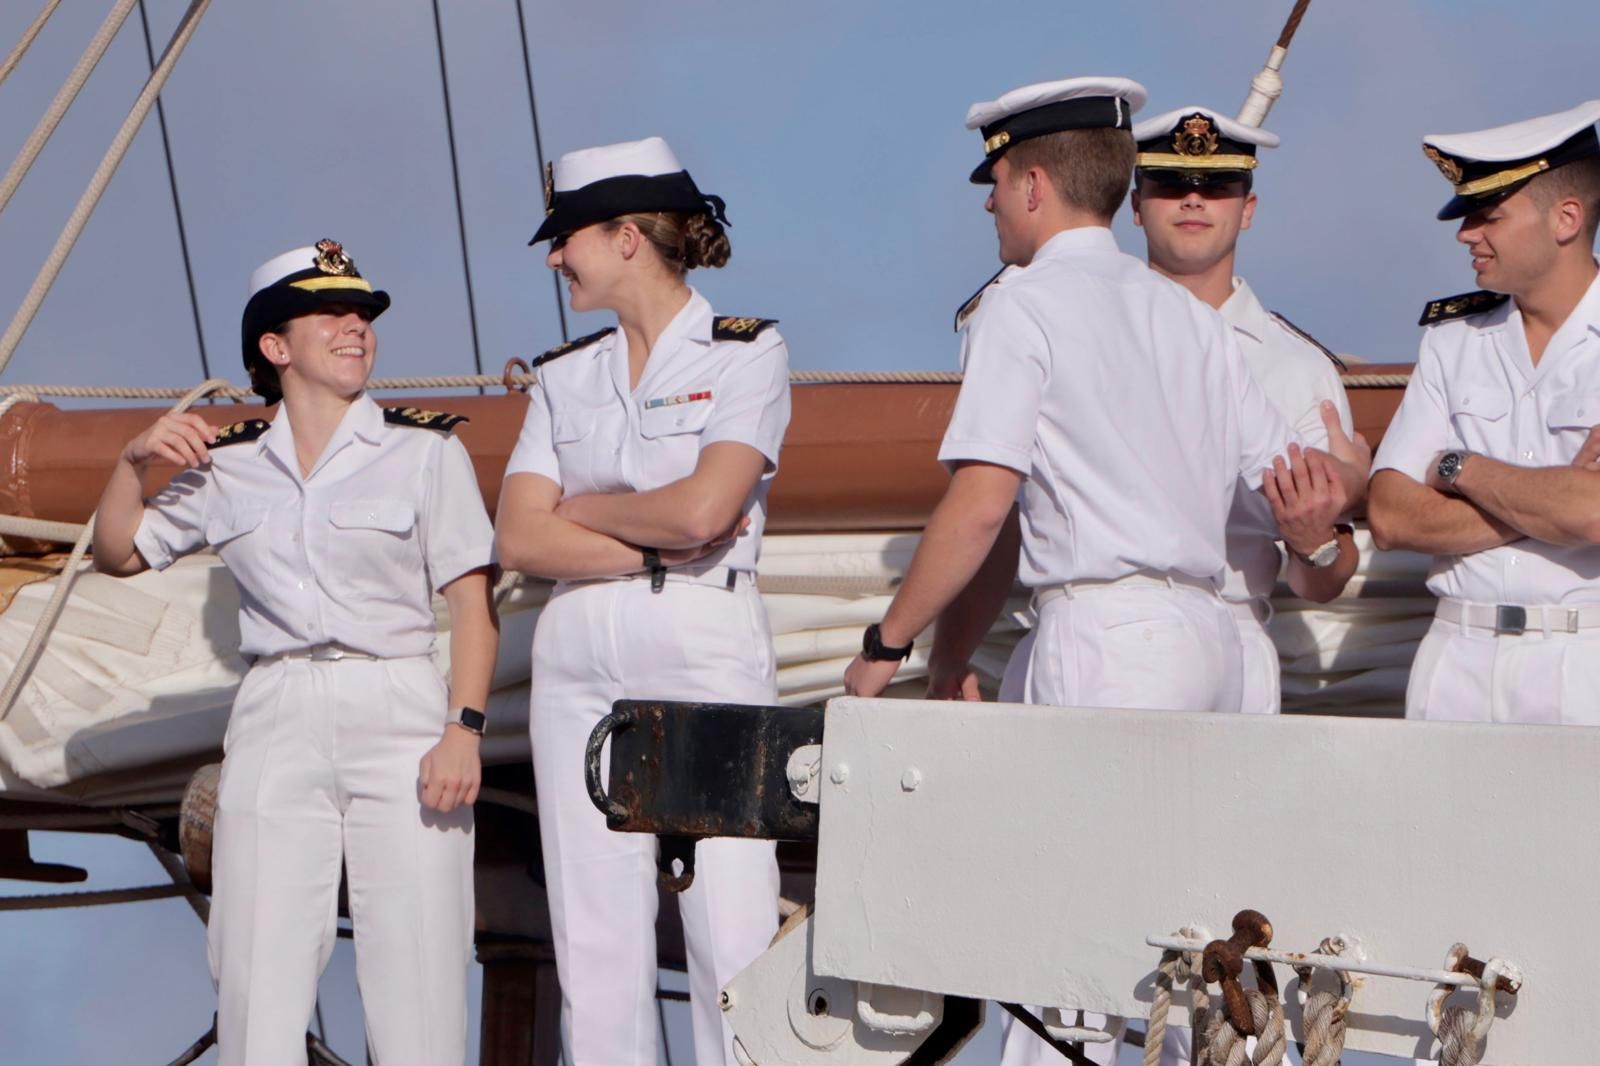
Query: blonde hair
x=1090, y=169
x=684, y=242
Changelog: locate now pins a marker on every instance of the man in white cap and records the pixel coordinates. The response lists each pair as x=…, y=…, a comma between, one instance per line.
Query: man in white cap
x=1104, y=420
x=1484, y=464
x=1193, y=195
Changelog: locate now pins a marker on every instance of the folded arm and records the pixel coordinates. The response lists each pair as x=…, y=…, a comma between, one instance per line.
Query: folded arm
x=686, y=513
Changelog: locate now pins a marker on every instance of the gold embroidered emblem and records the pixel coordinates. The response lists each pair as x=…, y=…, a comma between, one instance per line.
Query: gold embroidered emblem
x=1196, y=136
x=331, y=259
x=997, y=142
x=549, y=189
x=740, y=325
x=1447, y=166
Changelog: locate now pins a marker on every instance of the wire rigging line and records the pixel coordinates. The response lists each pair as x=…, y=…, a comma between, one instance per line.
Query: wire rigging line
x=538, y=149
x=1293, y=24
x=177, y=205
x=455, y=177
x=28, y=35
x=97, y=184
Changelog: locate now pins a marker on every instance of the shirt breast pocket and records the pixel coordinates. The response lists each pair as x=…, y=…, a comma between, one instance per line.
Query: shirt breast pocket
x=1570, y=419
x=373, y=548
x=229, y=533
x=674, y=419
x=1478, y=417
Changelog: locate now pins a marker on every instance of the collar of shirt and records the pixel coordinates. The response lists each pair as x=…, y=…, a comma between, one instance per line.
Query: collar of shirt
x=1084, y=240
x=693, y=322
x=363, y=419
x=1244, y=312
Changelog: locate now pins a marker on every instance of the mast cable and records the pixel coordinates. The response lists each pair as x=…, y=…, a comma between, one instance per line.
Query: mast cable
x=28, y=35
x=538, y=150
x=177, y=205
x=455, y=177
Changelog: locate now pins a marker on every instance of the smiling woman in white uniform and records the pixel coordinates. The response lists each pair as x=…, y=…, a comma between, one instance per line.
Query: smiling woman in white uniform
x=338, y=520
x=639, y=483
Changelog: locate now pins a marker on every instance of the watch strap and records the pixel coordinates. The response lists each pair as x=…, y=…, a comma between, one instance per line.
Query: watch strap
x=658, y=572
x=875, y=650
x=472, y=720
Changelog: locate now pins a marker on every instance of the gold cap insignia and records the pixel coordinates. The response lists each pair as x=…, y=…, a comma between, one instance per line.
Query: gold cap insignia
x=1447, y=166
x=331, y=259
x=549, y=189
x=1196, y=136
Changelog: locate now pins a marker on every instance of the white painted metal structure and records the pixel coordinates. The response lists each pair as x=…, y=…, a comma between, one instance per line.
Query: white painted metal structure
x=1025, y=854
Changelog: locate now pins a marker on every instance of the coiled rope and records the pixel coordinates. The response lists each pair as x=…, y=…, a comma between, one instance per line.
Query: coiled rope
x=1175, y=967
x=28, y=35
x=1323, y=1013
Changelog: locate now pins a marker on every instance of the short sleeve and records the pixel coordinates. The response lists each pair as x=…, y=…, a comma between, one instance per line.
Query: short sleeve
x=1309, y=424
x=752, y=403
x=535, y=452
x=456, y=534
x=173, y=524
x=1420, y=429
x=1264, y=434
x=1005, y=360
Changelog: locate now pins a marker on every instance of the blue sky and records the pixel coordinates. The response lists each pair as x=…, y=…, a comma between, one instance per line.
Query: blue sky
x=834, y=130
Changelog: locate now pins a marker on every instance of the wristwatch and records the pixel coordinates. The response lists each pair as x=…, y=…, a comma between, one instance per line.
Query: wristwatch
x=1450, y=464
x=1323, y=555
x=658, y=572
x=873, y=649
x=472, y=720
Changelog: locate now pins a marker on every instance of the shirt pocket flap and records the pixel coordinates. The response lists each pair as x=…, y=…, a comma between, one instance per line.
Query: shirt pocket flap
x=569, y=426
x=1574, y=412
x=674, y=418
x=391, y=516
x=1487, y=404
x=228, y=523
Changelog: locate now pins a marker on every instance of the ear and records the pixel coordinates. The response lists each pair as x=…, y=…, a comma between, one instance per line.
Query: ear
x=1249, y=211
x=1038, y=187
x=628, y=240
x=273, y=349
x=1133, y=202
x=1566, y=219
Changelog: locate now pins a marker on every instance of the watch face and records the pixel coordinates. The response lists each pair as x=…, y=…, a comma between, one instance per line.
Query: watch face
x=1449, y=464
x=1325, y=555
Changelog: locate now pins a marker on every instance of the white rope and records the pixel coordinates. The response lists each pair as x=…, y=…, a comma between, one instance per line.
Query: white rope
x=40, y=529
x=1324, y=1013
x=28, y=35
x=63, y=99
x=29, y=658
x=97, y=184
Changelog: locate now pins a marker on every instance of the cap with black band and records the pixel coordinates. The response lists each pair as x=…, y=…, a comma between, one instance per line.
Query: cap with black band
x=596, y=184
x=1051, y=107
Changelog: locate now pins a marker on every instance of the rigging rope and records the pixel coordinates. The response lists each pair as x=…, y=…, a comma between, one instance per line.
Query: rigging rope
x=30, y=33
x=102, y=178
x=455, y=178
x=538, y=150
x=62, y=900
x=63, y=100
x=1293, y=25
x=177, y=205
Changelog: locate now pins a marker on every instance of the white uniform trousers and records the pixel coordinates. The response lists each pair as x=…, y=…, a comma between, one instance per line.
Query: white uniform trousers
x=1136, y=645
x=1469, y=674
x=596, y=643
x=1261, y=678
x=321, y=769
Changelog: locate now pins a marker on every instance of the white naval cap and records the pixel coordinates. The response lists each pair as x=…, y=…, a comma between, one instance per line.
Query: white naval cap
x=1198, y=146
x=1488, y=165
x=595, y=184
x=1051, y=107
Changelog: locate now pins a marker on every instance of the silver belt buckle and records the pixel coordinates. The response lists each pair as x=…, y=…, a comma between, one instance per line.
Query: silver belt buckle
x=1510, y=619
x=326, y=653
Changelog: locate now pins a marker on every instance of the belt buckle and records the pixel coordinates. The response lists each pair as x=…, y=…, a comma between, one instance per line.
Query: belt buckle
x=326, y=653
x=1510, y=619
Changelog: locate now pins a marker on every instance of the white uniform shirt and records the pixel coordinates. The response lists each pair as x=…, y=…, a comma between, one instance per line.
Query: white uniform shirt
x=1476, y=388
x=589, y=433
x=1124, y=401
x=351, y=553
x=1297, y=376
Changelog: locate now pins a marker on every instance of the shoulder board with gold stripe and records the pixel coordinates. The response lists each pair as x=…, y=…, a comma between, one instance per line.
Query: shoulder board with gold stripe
x=739, y=329
x=571, y=346
x=1453, y=307
x=240, y=432
x=1309, y=339
x=417, y=418
x=966, y=310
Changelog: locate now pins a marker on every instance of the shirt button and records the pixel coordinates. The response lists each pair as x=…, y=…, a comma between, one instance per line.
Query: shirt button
x=1528, y=454
x=302, y=584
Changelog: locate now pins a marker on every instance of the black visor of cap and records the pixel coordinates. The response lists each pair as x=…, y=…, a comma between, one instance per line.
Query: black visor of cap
x=625, y=194
x=1582, y=145
x=281, y=301
x=1191, y=179
x=1084, y=113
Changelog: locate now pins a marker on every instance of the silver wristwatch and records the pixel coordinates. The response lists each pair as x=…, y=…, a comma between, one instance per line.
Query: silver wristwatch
x=1450, y=464
x=1324, y=555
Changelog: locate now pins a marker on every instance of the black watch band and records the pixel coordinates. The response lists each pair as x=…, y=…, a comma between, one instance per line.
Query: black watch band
x=472, y=720
x=875, y=650
x=658, y=572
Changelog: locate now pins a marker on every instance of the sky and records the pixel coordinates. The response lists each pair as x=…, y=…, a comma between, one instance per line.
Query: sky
x=833, y=129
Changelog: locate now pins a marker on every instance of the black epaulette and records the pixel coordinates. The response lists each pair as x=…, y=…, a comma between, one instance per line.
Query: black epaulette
x=1452, y=307
x=966, y=310
x=1309, y=339
x=739, y=329
x=240, y=432
x=417, y=418
x=571, y=346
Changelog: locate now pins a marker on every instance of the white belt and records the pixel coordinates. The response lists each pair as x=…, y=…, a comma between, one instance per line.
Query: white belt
x=1144, y=579
x=332, y=652
x=723, y=577
x=1258, y=608
x=1504, y=618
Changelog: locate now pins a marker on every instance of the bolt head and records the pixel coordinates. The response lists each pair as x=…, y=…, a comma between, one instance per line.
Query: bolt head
x=840, y=773
x=911, y=779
